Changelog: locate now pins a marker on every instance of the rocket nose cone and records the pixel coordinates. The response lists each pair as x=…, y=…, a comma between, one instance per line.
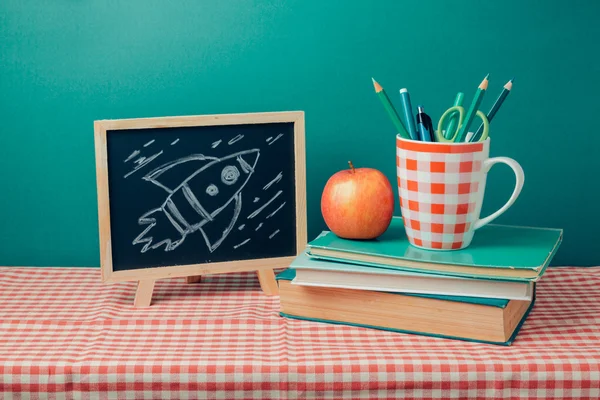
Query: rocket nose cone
x=248, y=161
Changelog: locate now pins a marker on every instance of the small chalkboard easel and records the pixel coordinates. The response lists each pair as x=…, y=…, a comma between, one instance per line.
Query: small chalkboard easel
x=193, y=195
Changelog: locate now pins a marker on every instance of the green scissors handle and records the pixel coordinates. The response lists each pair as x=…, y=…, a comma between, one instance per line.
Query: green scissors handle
x=451, y=113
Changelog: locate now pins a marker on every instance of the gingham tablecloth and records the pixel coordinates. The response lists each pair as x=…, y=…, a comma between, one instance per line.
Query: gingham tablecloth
x=64, y=334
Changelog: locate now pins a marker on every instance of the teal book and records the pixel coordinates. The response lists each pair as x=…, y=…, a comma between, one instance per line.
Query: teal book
x=497, y=252
x=483, y=320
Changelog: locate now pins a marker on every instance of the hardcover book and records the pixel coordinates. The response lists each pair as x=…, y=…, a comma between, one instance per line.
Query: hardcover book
x=498, y=252
x=484, y=320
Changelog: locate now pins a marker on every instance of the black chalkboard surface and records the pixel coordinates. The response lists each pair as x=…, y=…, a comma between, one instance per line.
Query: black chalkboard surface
x=194, y=195
x=177, y=193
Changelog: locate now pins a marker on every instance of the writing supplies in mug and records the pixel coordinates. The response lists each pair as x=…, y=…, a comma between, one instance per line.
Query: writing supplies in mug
x=455, y=123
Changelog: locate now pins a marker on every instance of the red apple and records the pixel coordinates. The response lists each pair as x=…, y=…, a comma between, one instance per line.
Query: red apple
x=358, y=203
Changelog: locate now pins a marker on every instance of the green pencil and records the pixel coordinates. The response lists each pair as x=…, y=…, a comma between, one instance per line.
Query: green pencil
x=495, y=107
x=464, y=128
x=389, y=107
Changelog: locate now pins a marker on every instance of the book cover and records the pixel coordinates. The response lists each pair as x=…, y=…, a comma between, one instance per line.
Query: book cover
x=289, y=275
x=496, y=252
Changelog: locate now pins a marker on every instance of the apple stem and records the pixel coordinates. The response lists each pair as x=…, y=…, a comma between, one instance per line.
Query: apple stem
x=351, y=166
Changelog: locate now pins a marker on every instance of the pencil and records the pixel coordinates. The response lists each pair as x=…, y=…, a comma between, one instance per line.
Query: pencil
x=464, y=128
x=389, y=107
x=495, y=107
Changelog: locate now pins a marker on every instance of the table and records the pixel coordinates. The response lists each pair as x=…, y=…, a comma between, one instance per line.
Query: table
x=64, y=334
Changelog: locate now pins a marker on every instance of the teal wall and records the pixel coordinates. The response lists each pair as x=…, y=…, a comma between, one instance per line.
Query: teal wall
x=64, y=64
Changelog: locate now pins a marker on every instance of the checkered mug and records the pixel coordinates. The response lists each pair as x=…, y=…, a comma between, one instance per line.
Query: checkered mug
x=441, y=188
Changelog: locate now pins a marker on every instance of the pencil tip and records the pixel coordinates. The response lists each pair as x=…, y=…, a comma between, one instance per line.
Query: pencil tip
x=484, y=83
x=512, y=79
x=377, y=86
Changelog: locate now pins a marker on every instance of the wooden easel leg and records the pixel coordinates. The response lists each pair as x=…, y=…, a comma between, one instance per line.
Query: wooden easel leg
x=143, y=295
x=193, y=279
x=268, y=284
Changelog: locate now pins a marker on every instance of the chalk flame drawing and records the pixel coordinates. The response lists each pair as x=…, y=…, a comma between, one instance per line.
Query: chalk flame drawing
x=186, y=209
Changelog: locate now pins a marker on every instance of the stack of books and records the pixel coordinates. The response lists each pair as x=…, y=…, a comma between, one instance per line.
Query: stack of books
x=482, y=293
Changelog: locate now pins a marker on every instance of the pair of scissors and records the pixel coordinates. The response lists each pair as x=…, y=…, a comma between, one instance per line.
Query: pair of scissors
x=458, y=114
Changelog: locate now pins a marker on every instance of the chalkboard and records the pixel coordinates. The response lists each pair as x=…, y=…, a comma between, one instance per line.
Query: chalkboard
x=204, y=192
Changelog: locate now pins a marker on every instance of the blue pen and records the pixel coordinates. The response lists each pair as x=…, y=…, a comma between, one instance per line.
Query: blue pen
x=424, y=126
x=408, y=114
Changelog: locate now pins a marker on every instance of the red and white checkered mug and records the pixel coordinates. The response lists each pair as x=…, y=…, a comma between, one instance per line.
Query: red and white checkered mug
x=441, y=188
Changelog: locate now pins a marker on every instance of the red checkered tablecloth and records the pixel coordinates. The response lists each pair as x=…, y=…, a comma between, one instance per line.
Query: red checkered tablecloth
x=63, y=334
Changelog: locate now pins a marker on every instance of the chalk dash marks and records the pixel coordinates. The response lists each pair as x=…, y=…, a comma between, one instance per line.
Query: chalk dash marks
x=274, y=180
x=241, y=244
x=215, y=144
x=270, y=140
x=272, y=235
x=174, y=141
x=235, y=139
x=142, y=162
x=132, y=155
x=277, y=209
x=258, y=210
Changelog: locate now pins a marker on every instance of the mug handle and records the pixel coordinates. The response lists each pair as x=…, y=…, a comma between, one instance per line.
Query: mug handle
x=520, y=175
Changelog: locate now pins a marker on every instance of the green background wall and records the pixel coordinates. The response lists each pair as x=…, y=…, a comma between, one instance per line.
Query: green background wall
x=64, y=64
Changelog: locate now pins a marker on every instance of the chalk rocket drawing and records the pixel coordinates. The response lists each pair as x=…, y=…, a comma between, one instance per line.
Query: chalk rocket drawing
x=186, y=208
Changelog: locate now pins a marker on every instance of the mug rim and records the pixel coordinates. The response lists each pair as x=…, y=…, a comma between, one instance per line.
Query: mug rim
x=398, y=137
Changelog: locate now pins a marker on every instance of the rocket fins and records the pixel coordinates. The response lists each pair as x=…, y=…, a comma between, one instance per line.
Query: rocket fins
x=226, y=218
x=170, y=175
x=170, y=236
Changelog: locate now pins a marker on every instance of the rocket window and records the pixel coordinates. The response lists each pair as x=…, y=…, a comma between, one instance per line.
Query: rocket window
x=230, y=175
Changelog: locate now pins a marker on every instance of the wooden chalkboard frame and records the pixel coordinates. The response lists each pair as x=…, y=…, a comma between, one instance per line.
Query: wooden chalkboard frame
x=147, y=276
